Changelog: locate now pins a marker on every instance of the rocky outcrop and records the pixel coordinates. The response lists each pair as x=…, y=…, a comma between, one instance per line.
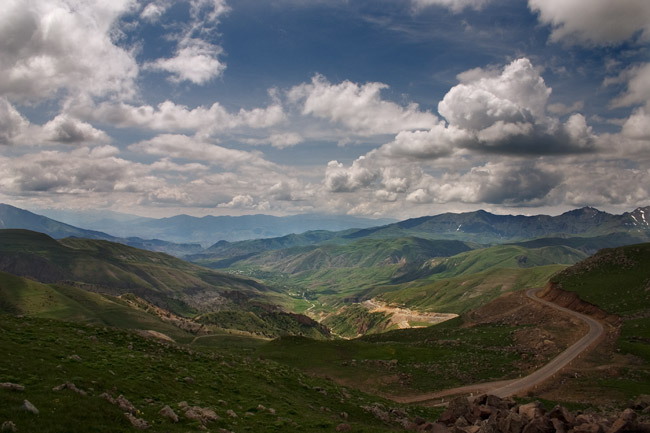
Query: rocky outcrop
x=196, y=413
x=491, y=414
x=12, y=386
x=70, y=386
x=168, y=413
x=136, y=422
x=29, y=407
x=8, y=426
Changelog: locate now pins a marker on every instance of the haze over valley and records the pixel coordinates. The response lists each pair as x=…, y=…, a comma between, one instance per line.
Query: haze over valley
x=325, y=216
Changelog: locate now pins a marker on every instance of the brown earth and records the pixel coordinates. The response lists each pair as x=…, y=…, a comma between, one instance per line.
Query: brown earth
x=544, y=331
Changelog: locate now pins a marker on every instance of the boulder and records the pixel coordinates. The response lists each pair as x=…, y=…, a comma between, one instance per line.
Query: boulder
x=168, y=412
x=562, y=414
x=436, y=427
x=469, y=429
x=29, y=407
x=203, y=415
x=125, y=404
x=11, y=386
x=541, y=424
x=531, y=410
x=625, y=422
x=589, y=428
x=343, y=427
x=138, y=423
x=511, y=423
x=71, y=387
x=458, y=407
x=641, y=402
x=378, y=412
x=8, y=426
x=558, y=425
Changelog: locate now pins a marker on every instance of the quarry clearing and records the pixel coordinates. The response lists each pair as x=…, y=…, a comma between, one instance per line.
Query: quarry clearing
x=406, y=318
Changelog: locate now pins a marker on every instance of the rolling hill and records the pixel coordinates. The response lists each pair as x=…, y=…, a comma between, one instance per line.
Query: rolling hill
x=22, y=296
x=14, y=218
x=75, y=267
x=615, y=285
x=115, y=268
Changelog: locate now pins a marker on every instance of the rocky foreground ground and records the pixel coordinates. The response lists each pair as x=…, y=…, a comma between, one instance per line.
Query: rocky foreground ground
x=491, y=414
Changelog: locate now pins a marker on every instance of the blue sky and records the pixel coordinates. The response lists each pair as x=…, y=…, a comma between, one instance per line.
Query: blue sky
x=395, y=108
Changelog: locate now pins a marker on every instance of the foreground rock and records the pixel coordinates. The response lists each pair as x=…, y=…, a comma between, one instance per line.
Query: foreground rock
x=8, y=426
x=70, y=386
x=11, y=386
x=202, y=414
x=168, y=412
x=491, y=414
x=29, y=407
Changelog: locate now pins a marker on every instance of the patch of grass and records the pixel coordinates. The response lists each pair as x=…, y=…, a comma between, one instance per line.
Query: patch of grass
x=37, y=353
x=266, y=321
x=356, y=320
x=406, y=361
x=115, y=268
x=57, y=301
x=616, y=280
x=461, y=294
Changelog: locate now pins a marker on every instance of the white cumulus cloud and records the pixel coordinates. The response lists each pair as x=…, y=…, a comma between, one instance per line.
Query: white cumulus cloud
x=52, y=45
x=453, y=5
x=359, y=108
x=195, y=60
x=594, y=22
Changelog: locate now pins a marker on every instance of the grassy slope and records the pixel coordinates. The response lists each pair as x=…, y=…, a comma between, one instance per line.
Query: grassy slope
x=111, y=264
x=176, y=285
x=399, y=362
x=501, y=256
x=333, y=274
x=360, y=254
x=55, y=301
x=112, y=267
x=618, y=281
x=37, y=354
x=460, y=294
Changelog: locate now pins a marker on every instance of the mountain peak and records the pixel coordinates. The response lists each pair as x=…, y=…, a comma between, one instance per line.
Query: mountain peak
x=640, y=216
x=583, y=211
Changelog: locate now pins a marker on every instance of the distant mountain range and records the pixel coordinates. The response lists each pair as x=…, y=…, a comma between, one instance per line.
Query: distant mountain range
x=586, y=229
x=484, y=227
x=209, y=229
x=15, y=218
x=183, y=235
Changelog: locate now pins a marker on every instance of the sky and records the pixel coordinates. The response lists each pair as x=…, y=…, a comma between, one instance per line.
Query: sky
x=375, y=108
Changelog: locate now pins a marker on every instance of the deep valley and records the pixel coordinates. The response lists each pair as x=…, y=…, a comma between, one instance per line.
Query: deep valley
x=367, y=330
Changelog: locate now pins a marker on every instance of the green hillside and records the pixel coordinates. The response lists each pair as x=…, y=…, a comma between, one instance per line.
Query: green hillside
x=455, y=283
x=265, y=320
x=500, y=256
x=618, y=281
x=115, y=268
x=401, y=362
x=465, y=292
x=362, y=253
x=228, y=392
x=55, y=301
x=333, y=274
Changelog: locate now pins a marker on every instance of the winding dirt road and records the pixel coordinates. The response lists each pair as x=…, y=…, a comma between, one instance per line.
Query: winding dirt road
x=517, y=386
